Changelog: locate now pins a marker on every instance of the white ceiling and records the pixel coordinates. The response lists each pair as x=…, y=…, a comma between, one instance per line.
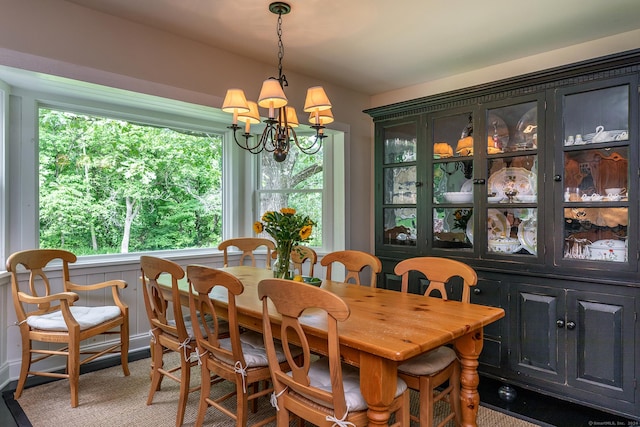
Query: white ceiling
x=375, y=46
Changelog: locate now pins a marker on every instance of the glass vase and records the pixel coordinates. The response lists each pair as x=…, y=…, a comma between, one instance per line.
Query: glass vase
x=282, y=265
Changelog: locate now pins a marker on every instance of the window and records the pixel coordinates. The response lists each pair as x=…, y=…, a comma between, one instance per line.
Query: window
x=49, y=174
x=298, y=183
x=113, y=186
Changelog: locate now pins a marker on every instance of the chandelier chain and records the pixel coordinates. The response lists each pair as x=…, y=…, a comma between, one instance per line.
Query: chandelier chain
x=281, y=76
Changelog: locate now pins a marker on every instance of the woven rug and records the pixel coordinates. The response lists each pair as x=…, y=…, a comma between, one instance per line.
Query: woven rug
x=109, y=399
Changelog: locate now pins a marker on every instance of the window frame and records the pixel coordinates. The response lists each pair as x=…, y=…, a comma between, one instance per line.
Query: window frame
x=326, y=192
x=239, y=168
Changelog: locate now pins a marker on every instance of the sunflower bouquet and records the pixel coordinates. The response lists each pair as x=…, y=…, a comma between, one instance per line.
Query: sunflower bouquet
x=288, y=229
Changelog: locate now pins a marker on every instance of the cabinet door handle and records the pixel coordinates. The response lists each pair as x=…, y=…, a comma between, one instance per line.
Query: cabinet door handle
x=560, y=323
x=557, y=178
x=479, y=181
x=571, y=325
x=477, y=291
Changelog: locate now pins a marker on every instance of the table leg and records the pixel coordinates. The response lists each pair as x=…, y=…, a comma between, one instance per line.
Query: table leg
x=469, y=347
x=376, y=377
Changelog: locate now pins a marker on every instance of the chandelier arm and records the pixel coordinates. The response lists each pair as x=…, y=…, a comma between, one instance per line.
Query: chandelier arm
x=246, y=136
x=267, y=138
x=311, y=149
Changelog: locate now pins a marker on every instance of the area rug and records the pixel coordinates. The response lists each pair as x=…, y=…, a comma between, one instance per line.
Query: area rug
x=109, y=399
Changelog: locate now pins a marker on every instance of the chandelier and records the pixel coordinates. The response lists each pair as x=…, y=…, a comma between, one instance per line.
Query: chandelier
x=279, y=133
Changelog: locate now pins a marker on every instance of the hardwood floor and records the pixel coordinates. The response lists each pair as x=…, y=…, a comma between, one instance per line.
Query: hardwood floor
x=534, y=407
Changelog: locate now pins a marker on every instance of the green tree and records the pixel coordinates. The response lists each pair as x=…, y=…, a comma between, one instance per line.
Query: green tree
x=113, y=186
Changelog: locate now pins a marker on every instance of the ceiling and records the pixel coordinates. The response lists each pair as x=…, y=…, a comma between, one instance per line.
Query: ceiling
x=376, y=46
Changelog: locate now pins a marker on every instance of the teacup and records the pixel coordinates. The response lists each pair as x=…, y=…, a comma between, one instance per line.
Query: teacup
x=615, y=191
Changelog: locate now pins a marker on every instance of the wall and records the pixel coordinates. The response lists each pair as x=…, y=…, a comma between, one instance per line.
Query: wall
x=580, y=52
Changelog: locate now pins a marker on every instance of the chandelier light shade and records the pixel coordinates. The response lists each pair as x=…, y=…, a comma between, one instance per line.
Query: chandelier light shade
x=235, y=102
x=278, y=135
x=317, y=100
x=272, y=96
x=292, y=117
x=251, y=117
x=321, y=117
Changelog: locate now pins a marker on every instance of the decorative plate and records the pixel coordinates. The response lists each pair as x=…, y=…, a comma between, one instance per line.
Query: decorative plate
x=528, y=235
x=497, y=225
x=520, y=179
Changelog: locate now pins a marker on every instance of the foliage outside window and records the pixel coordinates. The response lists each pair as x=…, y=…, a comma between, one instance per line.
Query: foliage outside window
x=112, y=186
x=296, y=183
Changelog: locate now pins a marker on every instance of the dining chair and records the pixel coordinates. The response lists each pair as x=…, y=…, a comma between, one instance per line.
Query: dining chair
x=323, y=391
x=248, y=245
x=241, y=358
x=170, y=329
x=299, y=255
x=354, y=263
x=428, y=371
x=53, y=318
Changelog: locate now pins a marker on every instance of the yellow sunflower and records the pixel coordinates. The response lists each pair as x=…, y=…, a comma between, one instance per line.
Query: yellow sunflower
x=258, y=227
x=305, y=232
x=288, y=211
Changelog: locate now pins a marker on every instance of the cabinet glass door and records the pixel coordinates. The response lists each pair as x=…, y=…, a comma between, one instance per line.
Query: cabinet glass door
x=453, y=145
x=512, y=203
x=399, y=184
x=595, y=180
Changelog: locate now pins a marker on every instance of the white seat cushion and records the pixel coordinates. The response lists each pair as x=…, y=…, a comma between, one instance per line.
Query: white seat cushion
x=320, y=377
x=429, y=363
x=255, y=354
x=87, y=317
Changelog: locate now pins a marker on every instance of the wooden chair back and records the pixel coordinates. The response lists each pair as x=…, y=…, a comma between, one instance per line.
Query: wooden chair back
x=163, y=314
x=299, y=255
x=279, y=292
x=202, y=280
x=438, y=271
x=248, y=246
x=39, y=285
x=354, y=263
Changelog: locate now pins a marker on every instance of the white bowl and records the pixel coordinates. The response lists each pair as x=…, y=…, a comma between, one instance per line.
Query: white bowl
x=458, y=197
x=495, y=199
x=505, y=245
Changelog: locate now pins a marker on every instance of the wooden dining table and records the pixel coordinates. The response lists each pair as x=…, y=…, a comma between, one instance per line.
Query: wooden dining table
x=385, y=328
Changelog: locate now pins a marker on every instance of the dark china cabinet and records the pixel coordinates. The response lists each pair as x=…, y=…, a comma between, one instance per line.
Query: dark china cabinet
x=534, y=181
